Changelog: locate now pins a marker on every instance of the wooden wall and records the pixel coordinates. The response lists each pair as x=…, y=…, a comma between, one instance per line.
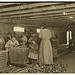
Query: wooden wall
x=5, y=28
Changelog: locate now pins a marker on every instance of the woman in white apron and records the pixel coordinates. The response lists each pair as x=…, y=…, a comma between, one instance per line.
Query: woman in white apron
x=45, y=52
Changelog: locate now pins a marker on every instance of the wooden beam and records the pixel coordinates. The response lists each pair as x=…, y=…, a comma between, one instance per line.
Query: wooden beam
x=44, y=9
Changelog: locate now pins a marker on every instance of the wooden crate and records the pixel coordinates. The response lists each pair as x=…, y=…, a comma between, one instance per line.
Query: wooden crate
x=18, y=55
x=3, y=60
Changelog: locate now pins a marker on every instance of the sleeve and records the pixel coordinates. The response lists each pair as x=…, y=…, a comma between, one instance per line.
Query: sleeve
x=7, y=44
x=40, y=34
x=17, y=43
x=26, y=39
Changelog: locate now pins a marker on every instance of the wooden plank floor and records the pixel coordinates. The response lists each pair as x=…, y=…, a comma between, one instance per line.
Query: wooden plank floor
x=68, y=59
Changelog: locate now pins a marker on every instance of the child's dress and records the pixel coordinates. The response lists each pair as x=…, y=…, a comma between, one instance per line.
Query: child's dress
x=33, y=52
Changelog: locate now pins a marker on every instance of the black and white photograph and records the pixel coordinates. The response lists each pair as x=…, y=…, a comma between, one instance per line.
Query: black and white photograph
x=37, y=37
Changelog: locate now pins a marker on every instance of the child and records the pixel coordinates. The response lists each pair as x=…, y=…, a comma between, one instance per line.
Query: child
x=33, y=52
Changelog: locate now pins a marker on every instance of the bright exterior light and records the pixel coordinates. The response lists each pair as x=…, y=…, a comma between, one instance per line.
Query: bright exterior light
x=18, y=29
x=38, y=30
x=69, y=33
x=67, y=37
x=71, y=17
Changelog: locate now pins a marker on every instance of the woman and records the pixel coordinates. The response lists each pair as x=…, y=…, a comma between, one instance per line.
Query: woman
x=11, y=43
x=45, y=52
x=24, y=40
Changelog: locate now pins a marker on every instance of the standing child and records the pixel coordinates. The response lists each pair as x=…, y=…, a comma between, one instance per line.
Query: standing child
x=33, y=52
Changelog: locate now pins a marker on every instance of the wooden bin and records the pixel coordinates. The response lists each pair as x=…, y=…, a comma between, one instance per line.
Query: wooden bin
x=18, y=55
x=3, y=60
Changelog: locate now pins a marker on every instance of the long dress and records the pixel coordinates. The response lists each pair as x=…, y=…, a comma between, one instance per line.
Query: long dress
x=45, y=52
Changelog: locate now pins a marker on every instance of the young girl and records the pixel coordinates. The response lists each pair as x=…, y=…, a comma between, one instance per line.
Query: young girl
x=11, y=43
x=33, y=52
